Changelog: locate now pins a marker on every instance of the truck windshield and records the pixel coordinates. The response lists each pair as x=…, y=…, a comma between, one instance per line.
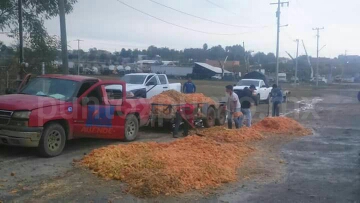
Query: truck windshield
x=51, y=87
x=134, y=79
x=248, y=83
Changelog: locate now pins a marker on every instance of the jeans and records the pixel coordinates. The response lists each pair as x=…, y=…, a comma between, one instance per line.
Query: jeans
x=276, y=109
x=247, y=115
x=236, y=120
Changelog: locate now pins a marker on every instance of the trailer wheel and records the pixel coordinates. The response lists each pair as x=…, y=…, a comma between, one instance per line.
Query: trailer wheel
x=52, y=140
x=131, y=128
x=209, y=121
x=220, y=120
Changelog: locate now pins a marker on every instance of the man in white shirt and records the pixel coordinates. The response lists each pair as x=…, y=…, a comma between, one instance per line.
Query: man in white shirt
x=233, y=106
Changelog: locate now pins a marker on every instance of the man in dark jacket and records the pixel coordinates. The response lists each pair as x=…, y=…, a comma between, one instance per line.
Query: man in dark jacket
x=276, y=99
x=189, y=87
x=248, y=98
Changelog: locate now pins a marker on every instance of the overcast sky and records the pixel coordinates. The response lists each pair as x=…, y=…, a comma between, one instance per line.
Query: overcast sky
x=110, y=25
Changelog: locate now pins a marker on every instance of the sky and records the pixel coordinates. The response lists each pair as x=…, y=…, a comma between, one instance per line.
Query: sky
x=110, y=25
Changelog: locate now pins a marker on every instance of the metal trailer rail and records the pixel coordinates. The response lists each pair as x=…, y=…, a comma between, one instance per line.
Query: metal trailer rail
x=211, y=115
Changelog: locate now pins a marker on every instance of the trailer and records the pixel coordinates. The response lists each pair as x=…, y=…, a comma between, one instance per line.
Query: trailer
x=205, y=114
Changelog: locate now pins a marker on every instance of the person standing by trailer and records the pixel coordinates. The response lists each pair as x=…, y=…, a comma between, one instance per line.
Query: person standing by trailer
x=233, y=108
x=248, y=98
x=184, y=113
x=189, y=87
x=276, y=99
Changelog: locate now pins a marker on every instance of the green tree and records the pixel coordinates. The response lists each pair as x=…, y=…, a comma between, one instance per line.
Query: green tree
x=205, y=47
x=35, y=12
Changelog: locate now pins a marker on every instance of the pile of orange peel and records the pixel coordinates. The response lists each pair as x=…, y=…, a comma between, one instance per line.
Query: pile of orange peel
x=192, y=163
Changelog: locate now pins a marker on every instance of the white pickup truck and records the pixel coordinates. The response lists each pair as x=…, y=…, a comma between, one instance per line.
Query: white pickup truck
x=262, y=90
x=152, y=84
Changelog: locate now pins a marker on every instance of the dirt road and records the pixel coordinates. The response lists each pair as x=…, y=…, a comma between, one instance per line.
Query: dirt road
x=320, y=168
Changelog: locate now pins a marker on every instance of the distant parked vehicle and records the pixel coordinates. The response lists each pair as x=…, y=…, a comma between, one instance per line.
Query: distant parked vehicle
x=282, y=77
x=148, y=84
x=321, y=80
x=262, y=90
x=216, y=77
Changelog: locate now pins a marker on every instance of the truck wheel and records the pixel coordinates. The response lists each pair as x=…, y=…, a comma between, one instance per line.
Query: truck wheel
x=52, y=140
x=209, y=121
x=221, y=117
x=131, y=128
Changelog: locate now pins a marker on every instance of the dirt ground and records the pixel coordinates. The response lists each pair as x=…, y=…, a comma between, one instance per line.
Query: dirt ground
x=324, y=167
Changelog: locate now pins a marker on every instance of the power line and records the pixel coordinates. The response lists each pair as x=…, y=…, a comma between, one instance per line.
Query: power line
x=201, y=18
x=180, y=26
x=217, y=5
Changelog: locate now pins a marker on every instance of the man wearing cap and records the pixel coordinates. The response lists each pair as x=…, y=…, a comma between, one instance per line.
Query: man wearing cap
x=233, y=108
x=246, y=103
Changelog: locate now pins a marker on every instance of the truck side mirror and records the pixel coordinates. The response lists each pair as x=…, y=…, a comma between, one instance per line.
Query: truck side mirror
x=150, y=83
x=84, y=101
x=264, y=86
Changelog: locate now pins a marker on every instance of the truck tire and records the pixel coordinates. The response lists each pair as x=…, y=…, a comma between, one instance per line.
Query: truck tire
x=209, y=121
x=220, y=120
x=52, y=140
x=131, y=128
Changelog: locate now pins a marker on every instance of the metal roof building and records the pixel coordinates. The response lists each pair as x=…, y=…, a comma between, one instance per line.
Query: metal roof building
x=206, y=71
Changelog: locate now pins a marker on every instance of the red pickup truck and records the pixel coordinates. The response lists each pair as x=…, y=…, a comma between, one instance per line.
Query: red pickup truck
x=51, y=109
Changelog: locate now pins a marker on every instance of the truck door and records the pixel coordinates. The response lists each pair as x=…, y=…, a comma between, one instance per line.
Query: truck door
x=263, y=90
x=95, y=117
x=164, y=83
x=152, y=86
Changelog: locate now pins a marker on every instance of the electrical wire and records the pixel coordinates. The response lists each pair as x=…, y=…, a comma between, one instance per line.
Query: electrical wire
x=180, y=26
x=201, y=18
x=217, y=5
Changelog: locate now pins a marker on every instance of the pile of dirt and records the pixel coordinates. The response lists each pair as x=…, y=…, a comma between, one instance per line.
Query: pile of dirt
x=151, y=169
x=281, y=125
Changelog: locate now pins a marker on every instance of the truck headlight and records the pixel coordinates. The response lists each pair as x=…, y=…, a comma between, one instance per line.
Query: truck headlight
x=21, y=114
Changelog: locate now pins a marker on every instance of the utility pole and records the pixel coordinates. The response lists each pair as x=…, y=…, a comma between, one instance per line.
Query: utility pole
x=64, y=52
x=78, y=56
x=296, y=60
x=246, y=68
x=345, y=66
x=21, y=40
x=317, y=54
x=278, y=12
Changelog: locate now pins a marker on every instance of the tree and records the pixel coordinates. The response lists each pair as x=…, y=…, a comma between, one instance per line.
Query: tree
x=217, y=53
x=235, y=53
x=34, y=15
x=205, y=47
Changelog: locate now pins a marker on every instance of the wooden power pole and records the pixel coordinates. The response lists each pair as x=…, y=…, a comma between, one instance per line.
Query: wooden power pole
x=64, y=52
